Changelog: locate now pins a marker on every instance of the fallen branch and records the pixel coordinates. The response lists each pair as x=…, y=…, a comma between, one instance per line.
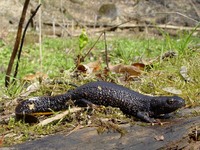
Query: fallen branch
x=126, y=25
x=163, y=26
x=106, y=51
x=22, y=42
x=17, y=42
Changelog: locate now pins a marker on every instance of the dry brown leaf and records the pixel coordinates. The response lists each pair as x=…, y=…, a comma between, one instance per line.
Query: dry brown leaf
x=125, y=69
x=1, y=141
x=84, y=69
x=149, y=62
x=90, y=67
x=140, y=66
x=33, y=77
x=29, y=77
x=95, y=65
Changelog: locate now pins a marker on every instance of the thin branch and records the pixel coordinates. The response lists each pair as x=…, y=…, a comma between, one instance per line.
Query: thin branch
x=22, y=41
x=40, y=36
x=106, y=50
x=92, y=46
x=178, y=14
x=195, y=8
x=163, y=26
x=17, y=42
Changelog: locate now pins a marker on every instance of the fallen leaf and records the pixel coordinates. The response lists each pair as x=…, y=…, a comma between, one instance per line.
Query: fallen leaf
x=184, y=73
x=30, y=89
x=140, y=66
x=172, y=90
x=95, y=65
x=29, y=77
x=149, y=62
x=90, y=67
x=33, y=77
x=84, y=69
x=125, y=69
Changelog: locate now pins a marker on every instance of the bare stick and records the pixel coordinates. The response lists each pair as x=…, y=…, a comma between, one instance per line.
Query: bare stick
x=171, y=27
x=106, y=50
x=22, y=42
x=40, y=36
x=183, y=15
x=195, y=8
x=126, y=25
x=93, y=45
x=59, y=116
x=17, y=42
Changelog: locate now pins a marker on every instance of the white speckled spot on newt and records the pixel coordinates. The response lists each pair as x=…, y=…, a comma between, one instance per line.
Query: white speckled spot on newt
x=31, y=106
x=99, y=87
x=34, y=99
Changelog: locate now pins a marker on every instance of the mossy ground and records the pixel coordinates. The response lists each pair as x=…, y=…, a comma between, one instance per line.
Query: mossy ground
x=58, y=62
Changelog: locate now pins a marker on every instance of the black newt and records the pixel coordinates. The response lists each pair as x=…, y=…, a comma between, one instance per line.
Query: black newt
x=108, y=94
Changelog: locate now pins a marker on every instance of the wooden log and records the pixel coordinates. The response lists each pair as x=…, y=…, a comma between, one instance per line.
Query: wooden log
x=180, y=133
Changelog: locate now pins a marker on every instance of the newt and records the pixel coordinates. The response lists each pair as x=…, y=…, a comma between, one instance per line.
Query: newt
x=141, y=106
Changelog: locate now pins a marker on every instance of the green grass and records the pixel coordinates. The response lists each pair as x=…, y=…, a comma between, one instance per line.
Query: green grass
x=58, y=62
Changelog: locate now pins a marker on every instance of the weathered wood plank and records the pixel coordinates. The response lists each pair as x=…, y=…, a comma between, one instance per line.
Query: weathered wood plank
x=174, y=135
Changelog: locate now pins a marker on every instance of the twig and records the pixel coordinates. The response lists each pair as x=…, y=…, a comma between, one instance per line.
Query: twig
x=106, y=50
x=178, y=14
x=59, y=116
x=63, y=26
x=163, y=26
x=126, y=25
x=195, y=8
x=92, y=46
x=40, y=36
x=81, y=59
x=22, y=42
x=111, y=27
x=17, y=42
x=75, y=129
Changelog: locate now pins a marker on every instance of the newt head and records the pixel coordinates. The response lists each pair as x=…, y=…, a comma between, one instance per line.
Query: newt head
x=27, y=106
x=166, y=104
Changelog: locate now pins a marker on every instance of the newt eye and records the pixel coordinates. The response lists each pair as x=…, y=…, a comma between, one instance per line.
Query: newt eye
x=170, y=101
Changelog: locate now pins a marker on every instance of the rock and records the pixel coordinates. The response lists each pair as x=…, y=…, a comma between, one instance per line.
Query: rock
x=108, y=11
